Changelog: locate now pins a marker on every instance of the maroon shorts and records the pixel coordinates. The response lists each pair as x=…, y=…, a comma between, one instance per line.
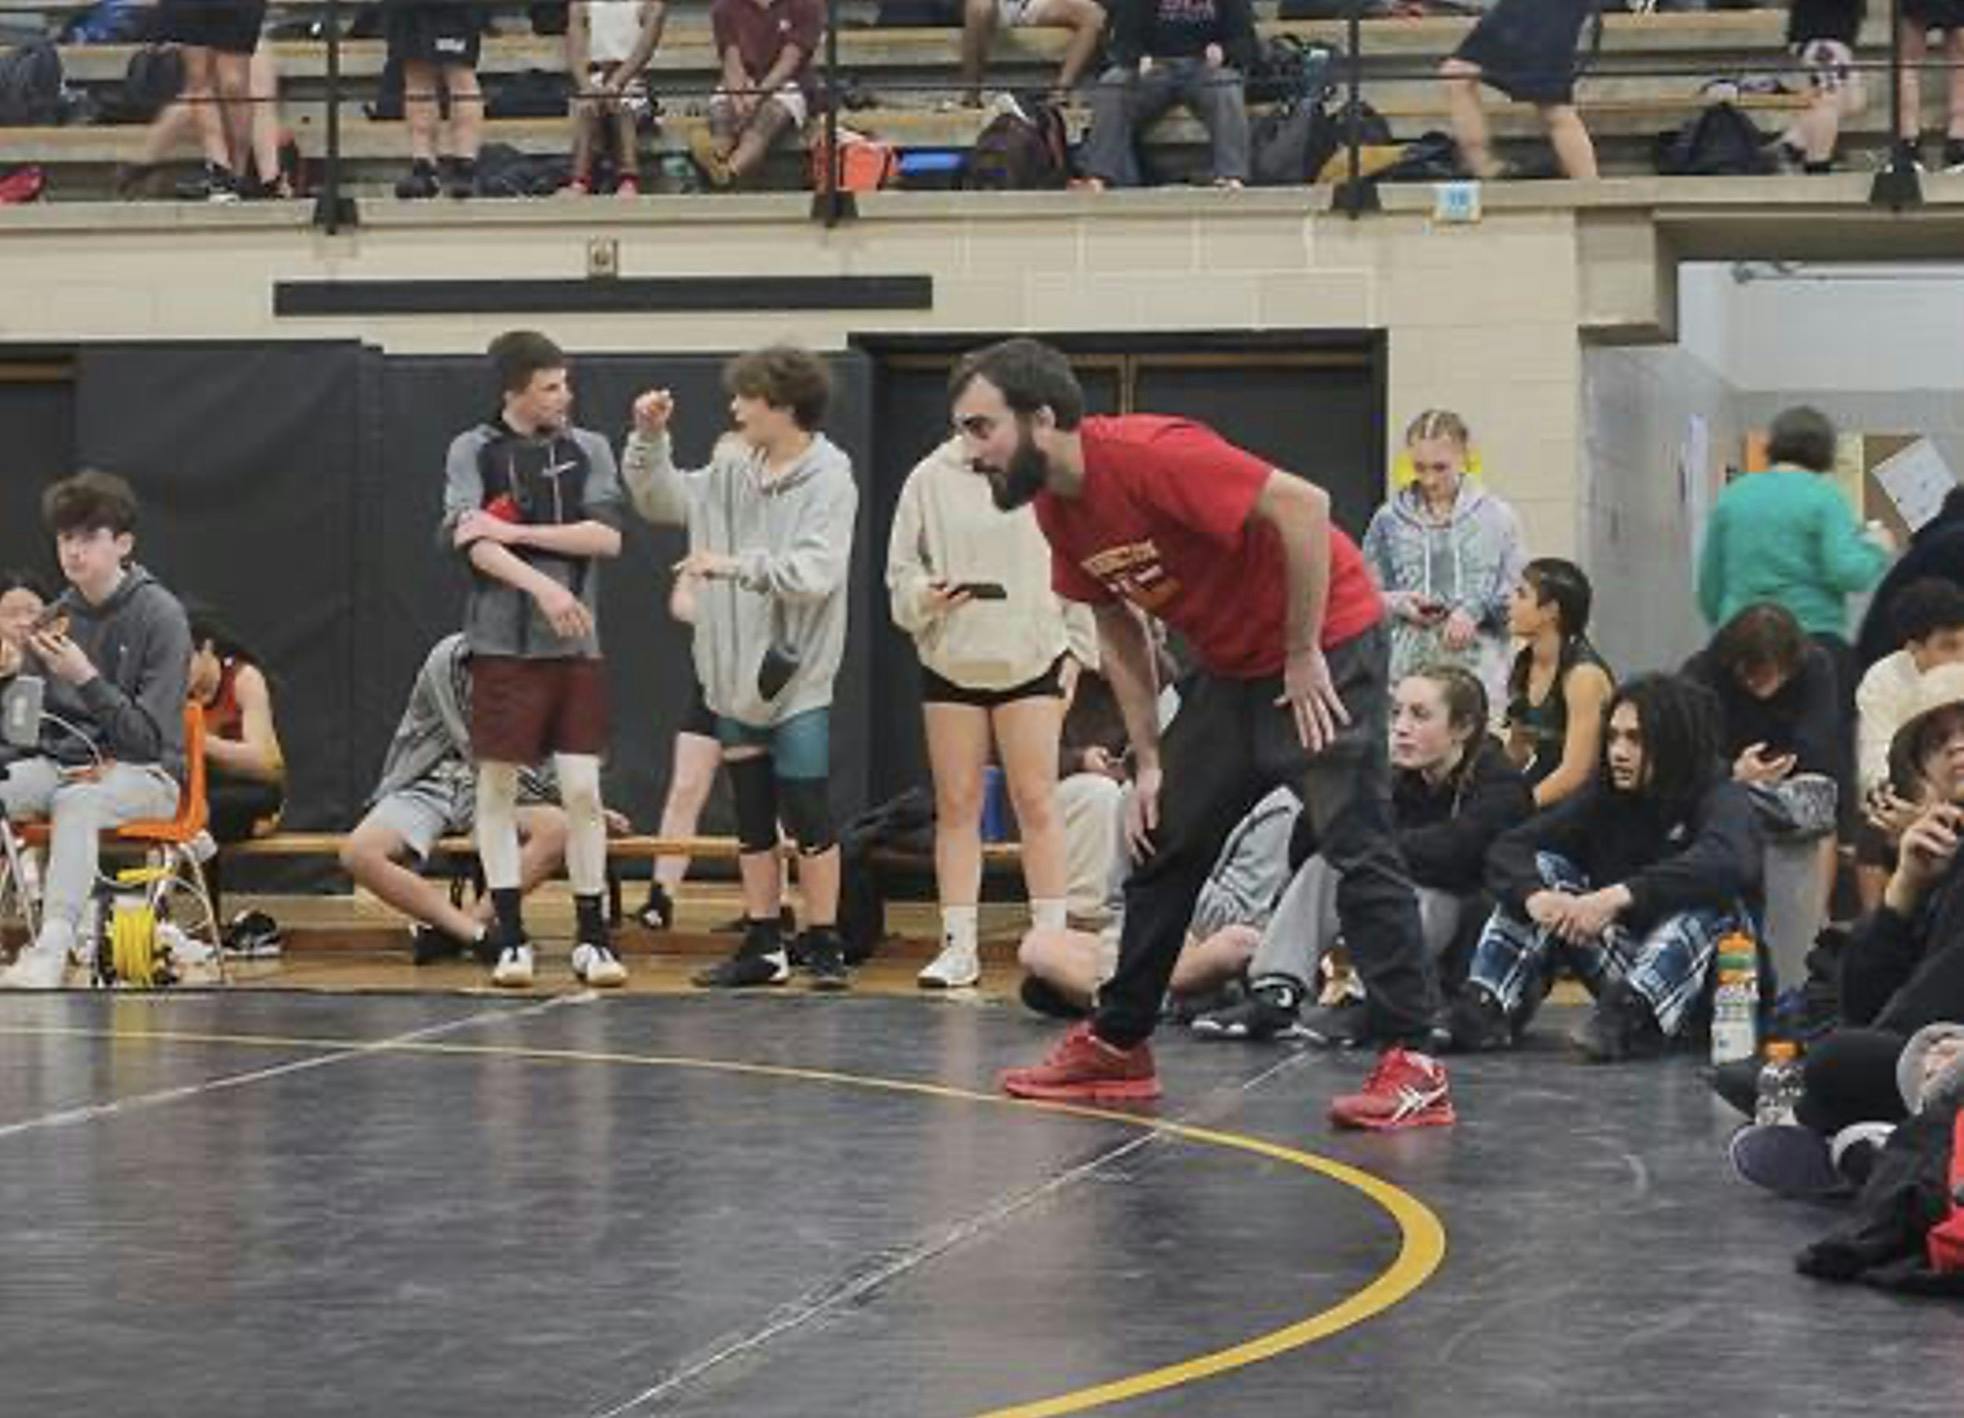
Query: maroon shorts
x=524, y=710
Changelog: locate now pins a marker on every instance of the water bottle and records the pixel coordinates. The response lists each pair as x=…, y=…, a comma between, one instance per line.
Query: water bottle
x=1779, y=1084
x=1735, y=1001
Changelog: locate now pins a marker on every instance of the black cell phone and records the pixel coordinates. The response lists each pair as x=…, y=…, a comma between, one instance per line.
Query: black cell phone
x=982, y=590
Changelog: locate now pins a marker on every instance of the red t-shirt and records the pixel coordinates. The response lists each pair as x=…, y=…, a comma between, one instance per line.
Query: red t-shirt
x=1163, y=522
x=759, y=32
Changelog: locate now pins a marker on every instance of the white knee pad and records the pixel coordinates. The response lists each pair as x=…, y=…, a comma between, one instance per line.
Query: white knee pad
x=586, y=823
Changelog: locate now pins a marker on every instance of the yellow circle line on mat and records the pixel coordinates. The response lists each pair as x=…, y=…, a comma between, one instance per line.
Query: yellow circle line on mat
x=1423, y=1236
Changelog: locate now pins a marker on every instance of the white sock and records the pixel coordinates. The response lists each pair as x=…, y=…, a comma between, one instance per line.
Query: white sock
x=1048, y=915
x=958, y=926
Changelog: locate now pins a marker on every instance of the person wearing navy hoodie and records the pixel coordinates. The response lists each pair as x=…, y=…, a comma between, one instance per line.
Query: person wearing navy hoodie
x=115, y=652
x=1165, y=53
x=1631, y=883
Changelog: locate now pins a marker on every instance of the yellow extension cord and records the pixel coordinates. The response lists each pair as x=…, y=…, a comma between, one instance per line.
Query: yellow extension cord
x=133, y=953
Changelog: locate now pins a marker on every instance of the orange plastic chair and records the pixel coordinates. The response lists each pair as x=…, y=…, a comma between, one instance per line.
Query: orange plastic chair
x=192, y=809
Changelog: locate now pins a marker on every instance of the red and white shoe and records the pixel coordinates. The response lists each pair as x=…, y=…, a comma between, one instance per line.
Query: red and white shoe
x=1407, y=1089
x=1085, y=1069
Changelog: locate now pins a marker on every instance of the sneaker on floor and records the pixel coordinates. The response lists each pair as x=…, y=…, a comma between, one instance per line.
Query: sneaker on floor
x=1737, y=1082
x=1479, y=1023
x=1786, y=1159
x=955, y=968
x=420, y=184
x=1268, y=1012
x=787, y=922
x=253, y=935
x=36, y=968
x=1041, y=997
x=1854, y=1149
x=760, y=960
x=597, y=966
x=1620, y=1027
x=657, y=913
x=825, y=959
x=1336, y=1026
x=459, y=177
x=427, y=945
x=1406, y=1090
x=1085, y=1069
x=514, y=967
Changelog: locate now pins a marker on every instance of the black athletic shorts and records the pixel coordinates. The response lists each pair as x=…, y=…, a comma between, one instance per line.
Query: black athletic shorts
x=440, y=32
x=228, y=26
x=700, y=719
x=1527, y=48
x=935, y=689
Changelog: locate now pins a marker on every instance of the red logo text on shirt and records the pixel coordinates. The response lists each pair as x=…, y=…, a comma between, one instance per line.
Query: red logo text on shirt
x=1134, y=572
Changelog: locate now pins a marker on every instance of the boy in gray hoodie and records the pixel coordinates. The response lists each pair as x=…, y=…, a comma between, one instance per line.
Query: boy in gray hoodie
x=115, y=652
x=770, y=525
x=532, y=504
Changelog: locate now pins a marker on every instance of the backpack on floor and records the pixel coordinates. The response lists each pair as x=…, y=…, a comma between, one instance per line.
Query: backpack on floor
x=155, y=76
x=30, y=86
x=1289, y=145
x=864, y=164
x=1719, y=142
x=1018, y=153
x=1946, y=1238
x=504, y=171
x=1287, y=70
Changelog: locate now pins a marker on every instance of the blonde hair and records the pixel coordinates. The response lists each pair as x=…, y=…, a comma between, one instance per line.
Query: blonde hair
x=1434, y=423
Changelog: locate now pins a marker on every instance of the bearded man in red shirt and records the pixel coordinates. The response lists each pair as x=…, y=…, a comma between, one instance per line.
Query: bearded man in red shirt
x=1241, y=557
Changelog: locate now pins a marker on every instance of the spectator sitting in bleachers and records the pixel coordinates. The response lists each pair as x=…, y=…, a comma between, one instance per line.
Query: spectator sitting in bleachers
x=245, y=770
x=1630, y=883
x=22, y=598
x=765, y=49
x=428, y=791
x=1449, y=555
x=435, y=44
x=1821, y=35
x=1919, y=17
x=1168, y=52
x=217, y=39
x=1085, y=19
x=1527, y=50
x=1930, y=621
x=1559, y=684
x=116, y=655
x=1453, y=794
x=608, y=46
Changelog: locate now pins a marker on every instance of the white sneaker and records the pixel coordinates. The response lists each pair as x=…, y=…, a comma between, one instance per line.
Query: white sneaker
x=514, y=967
x=36, y=968
x=955, y=968
x=597, y=966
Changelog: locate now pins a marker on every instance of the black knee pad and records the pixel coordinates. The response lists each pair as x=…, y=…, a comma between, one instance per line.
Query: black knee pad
x=755, y=791
x=807, y=813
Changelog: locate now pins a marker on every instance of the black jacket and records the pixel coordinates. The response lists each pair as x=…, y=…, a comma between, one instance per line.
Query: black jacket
x=1901, y=973
x=1803, y=719
x=1936, y=550
x=1704, y=859
x=1182, y=29
x=1445, y=831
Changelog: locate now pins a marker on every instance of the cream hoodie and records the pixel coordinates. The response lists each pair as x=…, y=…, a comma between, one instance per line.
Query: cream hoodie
x=946, y=528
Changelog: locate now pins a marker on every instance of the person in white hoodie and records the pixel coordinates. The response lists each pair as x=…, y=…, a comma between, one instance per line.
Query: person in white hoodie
x=971, y=585
x=1447, y=554
x=770, y=523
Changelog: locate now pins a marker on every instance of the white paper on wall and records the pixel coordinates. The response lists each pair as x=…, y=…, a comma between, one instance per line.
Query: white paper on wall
x=1917, y=481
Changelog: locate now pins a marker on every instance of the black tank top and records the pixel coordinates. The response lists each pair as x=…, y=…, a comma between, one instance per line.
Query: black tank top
x=1546, y=724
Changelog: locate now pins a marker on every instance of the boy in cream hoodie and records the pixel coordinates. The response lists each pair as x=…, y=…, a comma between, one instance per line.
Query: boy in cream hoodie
x=770, y=524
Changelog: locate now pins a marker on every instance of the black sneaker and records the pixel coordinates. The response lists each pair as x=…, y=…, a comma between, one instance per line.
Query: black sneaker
x=1954, y=155
x=214, y=183
x=459, y=177
x=1269, y=1012
x=1786, y=1159
x=427, y=945
x=253, y=935
x=825, y=958
x=737, y=925
x=420, y=184
x=758, y=961
x=658, y=912
x=1337, y=1026
x=1737, y=1083
x=1480, y=1023
x=490, y=947
x=1620, y=1027
x=1042, y=997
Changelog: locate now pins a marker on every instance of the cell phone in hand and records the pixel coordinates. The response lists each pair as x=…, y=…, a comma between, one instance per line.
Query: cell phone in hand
x=53, y=620
x=980, y=590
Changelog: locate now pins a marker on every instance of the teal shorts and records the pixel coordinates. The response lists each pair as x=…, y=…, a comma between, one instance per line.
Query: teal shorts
x=800, y=748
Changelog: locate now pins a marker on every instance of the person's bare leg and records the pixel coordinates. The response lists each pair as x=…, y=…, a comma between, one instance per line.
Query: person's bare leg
x=419, y=109
x=466, y=112
x=957, y=754
x=766, y=124
x=1954, y=54
x=232, y=78
x=586, y=120
x=628, y=136
x=691, y=777
x=1461, y=81
x=1915, y=49
x=1026, y=735
x=978, y=33
x=263, y=91
x=1070, y=962
x=1086, y=19
x=176, y=123
x=1208, y=964
x=371, y=856
x=1570, y=140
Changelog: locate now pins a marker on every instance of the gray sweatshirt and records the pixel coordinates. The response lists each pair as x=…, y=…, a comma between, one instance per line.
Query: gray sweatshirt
x=558, y=480
x=133, y=710
x=792, y=538
x=433, y=740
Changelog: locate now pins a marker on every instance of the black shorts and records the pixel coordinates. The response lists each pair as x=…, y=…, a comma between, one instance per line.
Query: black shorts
x=1527, y=48
x=440, y=32
x=1943, y=15
x=228, y=26
x=700, y=719
x=936, y=690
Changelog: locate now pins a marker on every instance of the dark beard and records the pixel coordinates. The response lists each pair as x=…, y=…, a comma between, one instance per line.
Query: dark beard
x=1019, y=483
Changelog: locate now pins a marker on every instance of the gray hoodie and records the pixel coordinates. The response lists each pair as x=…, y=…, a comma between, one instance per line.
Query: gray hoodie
x=1944, y=1091
x=133, y=710
x=792, y=538
x=433, y=741
x=557, y=480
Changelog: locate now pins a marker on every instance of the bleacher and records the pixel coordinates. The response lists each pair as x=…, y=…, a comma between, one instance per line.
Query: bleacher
x=1647, y=76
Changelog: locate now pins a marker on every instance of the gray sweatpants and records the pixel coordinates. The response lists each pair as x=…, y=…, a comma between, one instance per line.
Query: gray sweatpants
x=1304, y=925
x=1125, y=102
x=78, y=811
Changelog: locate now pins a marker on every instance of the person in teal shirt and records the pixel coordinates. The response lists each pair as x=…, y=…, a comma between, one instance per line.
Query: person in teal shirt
x=1788, y=536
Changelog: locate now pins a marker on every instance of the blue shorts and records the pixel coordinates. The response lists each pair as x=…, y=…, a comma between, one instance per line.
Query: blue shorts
x=800, y=748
